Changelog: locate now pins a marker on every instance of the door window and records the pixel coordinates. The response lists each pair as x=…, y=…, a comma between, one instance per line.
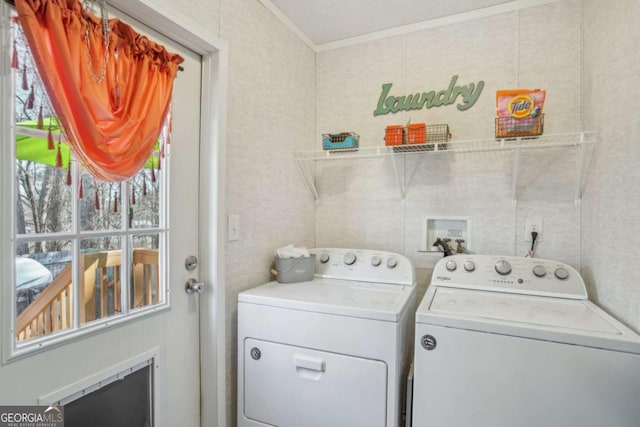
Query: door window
x=88, y=253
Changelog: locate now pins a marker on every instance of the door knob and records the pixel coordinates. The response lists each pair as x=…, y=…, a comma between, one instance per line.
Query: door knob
x=193, y=286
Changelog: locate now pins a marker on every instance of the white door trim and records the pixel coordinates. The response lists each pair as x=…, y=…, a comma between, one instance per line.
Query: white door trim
x=173, y=24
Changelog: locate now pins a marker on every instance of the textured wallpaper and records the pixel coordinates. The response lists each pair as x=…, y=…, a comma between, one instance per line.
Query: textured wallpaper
x=271, y=114
x=360, y=201
x=612, y=200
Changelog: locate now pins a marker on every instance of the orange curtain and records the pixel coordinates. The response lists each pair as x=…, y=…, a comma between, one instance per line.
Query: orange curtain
x=112, y=125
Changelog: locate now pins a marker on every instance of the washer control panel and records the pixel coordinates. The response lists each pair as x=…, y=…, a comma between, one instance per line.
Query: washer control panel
x=364, y=265
x=532, y=276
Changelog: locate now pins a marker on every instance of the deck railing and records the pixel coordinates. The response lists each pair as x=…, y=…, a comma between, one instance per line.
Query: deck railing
x=100, y=292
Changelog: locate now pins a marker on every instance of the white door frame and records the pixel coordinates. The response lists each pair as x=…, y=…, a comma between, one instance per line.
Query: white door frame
x=174, y=25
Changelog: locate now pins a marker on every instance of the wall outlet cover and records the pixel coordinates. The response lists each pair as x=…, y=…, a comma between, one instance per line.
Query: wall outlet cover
x=533, y=224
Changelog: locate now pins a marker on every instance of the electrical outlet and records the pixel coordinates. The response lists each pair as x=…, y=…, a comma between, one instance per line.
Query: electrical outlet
x=531, y=225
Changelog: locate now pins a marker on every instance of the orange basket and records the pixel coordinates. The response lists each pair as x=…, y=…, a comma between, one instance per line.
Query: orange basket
x=416, y=133
x=394, y=135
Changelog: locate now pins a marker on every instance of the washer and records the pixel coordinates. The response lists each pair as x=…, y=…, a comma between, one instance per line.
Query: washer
x=332, y=351
x=508, y=341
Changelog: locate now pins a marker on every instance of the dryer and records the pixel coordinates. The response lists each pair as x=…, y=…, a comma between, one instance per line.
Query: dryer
x=332, y=351
x=510, y=341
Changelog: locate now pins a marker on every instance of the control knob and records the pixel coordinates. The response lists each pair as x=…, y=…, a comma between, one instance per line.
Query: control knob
x=469, y=266
x=451, y=265
x=375, y=261
x=539, y=271
x=503, y=267
x=349, y=258
x=392, y=262
x=562, y=273
x=324, y=258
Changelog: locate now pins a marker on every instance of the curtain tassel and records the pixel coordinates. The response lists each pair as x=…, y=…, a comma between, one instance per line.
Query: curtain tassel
x=96, y=201
x=159, y=162
x=133, y=195
x=14, y=58
x=69, y=172
x=144, y=185
x=80, y=190
x=31, y=98
x=40, y=119
x=153, y=173
x=50, y=143
x=25, y=83
x=59, y=157
x=115, y=203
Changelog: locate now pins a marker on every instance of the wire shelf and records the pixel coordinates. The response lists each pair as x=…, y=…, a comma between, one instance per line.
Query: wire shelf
x=578, y=141
x=465, y=146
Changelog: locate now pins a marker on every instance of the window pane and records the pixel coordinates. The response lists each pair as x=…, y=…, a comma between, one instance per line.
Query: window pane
x=145, y=289
x=144, y=197
x=44, y=290
x=100, y=204
x=44, y=200
x=101, y=278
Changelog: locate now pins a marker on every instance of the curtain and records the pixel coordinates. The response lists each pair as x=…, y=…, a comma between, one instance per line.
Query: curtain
x=112, y=123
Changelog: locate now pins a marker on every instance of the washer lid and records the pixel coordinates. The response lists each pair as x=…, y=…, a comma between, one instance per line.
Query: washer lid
x=556, y=319
x=376, y=301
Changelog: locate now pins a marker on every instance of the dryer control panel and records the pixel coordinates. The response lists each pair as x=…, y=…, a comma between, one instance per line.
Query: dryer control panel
x=510, y=274
x=364, y=265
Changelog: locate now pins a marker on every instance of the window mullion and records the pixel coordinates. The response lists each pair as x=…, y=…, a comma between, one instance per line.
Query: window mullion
x=127, y=254
x=77, y=265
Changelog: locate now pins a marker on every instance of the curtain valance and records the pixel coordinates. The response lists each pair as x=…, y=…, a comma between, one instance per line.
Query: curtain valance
x=111, y=94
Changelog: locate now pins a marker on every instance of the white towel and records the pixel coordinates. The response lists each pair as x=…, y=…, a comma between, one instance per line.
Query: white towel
x=290, y=251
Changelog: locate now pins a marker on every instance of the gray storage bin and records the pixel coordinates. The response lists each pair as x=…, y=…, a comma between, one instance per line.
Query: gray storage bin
x=290, y=270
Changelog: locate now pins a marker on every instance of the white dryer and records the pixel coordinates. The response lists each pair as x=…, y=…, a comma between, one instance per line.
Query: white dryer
x=333, y=351
x=508, y=341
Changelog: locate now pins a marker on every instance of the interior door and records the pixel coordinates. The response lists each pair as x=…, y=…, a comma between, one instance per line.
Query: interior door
x=169, y=338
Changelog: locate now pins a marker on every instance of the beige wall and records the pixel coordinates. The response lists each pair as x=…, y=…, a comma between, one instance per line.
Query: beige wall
x=612, y=199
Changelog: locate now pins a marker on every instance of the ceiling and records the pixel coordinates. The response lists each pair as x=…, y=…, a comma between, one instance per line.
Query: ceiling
x=329, y=21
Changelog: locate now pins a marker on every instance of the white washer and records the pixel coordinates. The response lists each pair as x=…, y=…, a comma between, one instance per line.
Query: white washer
x=332, y=351
x=508, y=341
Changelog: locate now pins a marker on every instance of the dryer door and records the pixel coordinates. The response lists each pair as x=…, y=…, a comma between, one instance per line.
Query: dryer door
x=293, y=386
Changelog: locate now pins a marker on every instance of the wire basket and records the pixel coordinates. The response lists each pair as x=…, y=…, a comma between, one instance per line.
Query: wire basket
x=340, y=141
x=509, y=127
x=436, y=137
